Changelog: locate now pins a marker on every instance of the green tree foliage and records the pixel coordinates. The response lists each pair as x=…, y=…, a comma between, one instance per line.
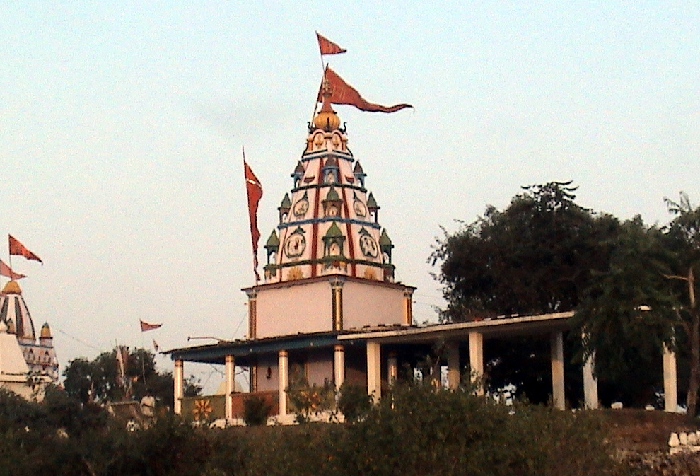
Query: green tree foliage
x=684, y=239
x=536, y=256
x=99, y=381
x=645, y=299
x=626, y=314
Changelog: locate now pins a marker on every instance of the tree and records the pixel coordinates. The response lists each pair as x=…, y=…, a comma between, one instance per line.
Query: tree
x=533, y=257
x=625, y=314
x=536, y=256
x=100, y=381
x=645, y=299
x=684, y=239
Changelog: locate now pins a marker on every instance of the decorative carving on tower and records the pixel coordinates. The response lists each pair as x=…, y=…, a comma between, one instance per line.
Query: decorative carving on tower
x=329, y=222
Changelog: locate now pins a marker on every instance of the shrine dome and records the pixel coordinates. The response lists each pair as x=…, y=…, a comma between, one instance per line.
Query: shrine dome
x=15, y=314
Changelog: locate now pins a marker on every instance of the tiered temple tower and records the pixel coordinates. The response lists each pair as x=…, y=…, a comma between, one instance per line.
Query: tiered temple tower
x=329, y=262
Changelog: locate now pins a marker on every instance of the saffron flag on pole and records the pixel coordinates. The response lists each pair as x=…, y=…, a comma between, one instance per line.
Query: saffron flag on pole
x=343, y=93
x=255, y=193
x=327, y=47
x=17, y=248
x=145, y=326
x=122, y=354
x=6, y=271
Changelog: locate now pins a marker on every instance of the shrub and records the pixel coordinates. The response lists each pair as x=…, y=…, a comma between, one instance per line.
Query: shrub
x=255, y=411
x=306, y=400
x=354, y=403
x=421, y=430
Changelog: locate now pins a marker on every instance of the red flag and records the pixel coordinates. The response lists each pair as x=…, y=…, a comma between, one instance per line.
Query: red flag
x=327, y=47
x=17, y=248
x=145, y=326
x=6, y=271
x=343, y=93
x=255, y=193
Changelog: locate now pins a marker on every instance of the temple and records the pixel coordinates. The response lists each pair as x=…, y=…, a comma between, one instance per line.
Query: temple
x=329, y=311
x=26, y=365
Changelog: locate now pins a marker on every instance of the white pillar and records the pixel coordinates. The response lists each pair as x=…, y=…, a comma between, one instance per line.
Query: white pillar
x=392, y=368
x=374, y=370
x=179, y=379
x=590, y=384
x=283, y=381
x=476, y=360
x=670, y=381
x=230, y=385
x=453, y=375
x=338, y=366
x=557, y=349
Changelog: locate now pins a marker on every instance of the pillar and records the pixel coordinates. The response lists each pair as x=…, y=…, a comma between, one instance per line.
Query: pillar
x=670, y=380
x=338, y=366
x=557, y=349
x=476, y=360
x=252, y=314
x=230, y=384
x=179, y=379
x=408, y=307
x=392, y=368
x=283, y=381
x=590, y=384
x=374, y=371
x=337, y=304
x=253, y=374
x=453, y=375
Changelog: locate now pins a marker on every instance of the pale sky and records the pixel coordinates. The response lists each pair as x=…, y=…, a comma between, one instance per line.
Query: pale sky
x=122, y=123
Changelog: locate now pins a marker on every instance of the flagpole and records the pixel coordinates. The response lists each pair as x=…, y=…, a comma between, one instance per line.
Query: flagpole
x=323, y=75
x=320, y=89
x=8, y=251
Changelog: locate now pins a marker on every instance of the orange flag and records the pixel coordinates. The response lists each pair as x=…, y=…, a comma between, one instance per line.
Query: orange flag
x=343, y=93
x=145, y=326
x=255, y=193
x=17, y=248
x=327, y=47
x=6, y=271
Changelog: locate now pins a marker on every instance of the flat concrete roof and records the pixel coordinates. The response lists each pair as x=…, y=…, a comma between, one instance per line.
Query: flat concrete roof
x=245, y=349
x=495, y=327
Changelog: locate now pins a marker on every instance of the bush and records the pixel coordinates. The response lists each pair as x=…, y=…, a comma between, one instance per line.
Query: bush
x=255, y=411
x=354, y=403
x=306, y=400
x=420, y=430
x=414, y=430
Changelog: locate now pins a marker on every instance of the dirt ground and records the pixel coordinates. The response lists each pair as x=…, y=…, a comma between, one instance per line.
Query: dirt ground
x=640, y=439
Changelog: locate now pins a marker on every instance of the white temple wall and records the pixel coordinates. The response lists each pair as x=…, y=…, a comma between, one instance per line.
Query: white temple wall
x=319, y=367
x=268, y=380
x=294, y=309
x=370, y=305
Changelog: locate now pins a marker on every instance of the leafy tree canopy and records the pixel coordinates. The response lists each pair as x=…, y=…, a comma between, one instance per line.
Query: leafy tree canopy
x=100, y=380
x=536, y=256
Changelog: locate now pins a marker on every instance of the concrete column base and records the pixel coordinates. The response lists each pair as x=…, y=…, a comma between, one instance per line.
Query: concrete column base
x=283, y=381
x=374, y=370
x=670, y=381
x=476, y=360
x=557, y=347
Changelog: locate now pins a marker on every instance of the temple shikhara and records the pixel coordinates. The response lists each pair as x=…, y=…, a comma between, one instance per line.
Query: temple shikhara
x=28, y=361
